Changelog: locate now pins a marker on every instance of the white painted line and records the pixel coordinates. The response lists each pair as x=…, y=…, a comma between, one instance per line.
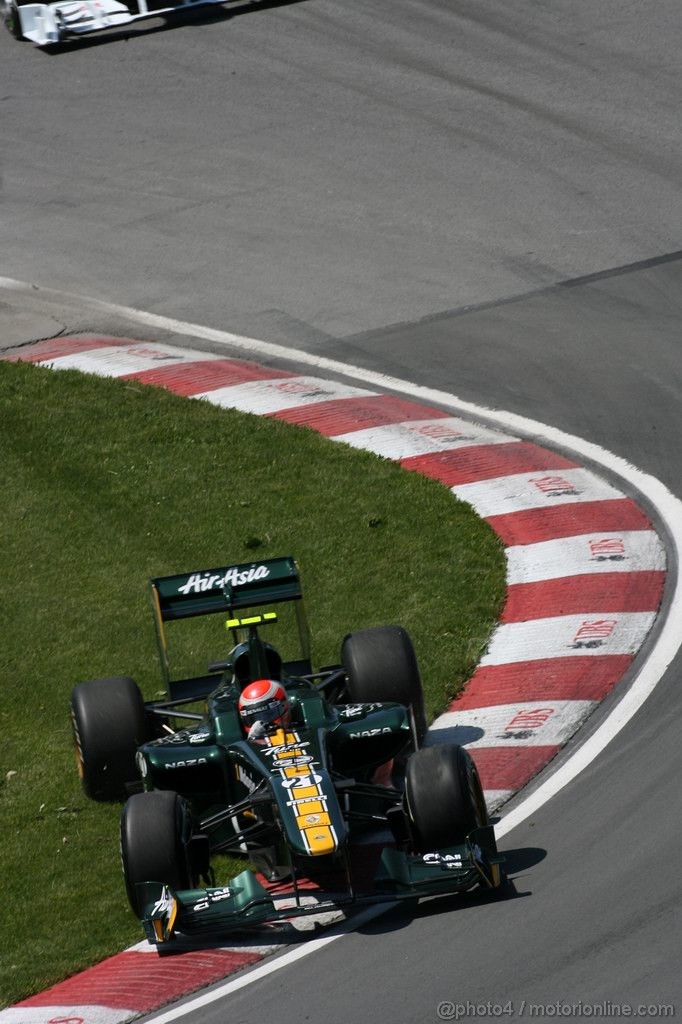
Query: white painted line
x=523, y=724
x=267, y=396
x=667, y=643
x=422, y=437
x=629, y=551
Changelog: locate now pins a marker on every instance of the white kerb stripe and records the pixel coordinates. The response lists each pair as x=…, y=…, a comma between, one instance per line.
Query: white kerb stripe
x=267, y=396
x=567, y=636
x=494, y=798
x=422, y=437
x=629, y=551
x=533, y=724
x=90, y=1014
x=119, y=360
x=522, y=491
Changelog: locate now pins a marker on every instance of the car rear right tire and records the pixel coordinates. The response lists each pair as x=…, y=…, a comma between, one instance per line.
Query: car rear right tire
x=156, y=828
x=381, y=666
x=443, y=796
x=109, y=723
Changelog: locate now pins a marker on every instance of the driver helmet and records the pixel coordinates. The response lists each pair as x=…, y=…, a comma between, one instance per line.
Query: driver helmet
x=264, y=701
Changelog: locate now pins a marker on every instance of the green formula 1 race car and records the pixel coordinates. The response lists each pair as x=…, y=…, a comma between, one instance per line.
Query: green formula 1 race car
x=289, y=766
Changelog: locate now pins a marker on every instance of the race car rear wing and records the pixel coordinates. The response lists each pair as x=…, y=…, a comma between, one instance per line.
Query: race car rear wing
x=227, y=588
x=224, y=589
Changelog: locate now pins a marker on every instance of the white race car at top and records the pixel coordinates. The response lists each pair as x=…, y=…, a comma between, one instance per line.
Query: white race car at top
x=53, y=22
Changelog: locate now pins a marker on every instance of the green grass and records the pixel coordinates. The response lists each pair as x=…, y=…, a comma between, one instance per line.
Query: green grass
x=107, y=483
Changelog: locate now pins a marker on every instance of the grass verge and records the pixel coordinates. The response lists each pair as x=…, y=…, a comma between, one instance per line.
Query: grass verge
x=108, y=483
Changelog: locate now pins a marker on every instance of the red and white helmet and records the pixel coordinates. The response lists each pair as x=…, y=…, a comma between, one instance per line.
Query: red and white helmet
x=265, y=701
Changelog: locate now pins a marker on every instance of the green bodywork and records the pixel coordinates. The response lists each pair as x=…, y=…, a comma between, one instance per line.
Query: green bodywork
x=215, y=767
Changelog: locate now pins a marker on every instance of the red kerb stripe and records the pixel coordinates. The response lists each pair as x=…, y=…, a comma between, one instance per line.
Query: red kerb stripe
x=484, y=462
x=143, y=981
x=534, y=525
x=546, y=679
x=510, y=767
x=53, y=348
x=205, y=375
x=342, y=415
x=608, y=591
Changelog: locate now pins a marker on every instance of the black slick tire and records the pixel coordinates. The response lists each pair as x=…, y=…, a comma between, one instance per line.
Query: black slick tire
x=444, y=797
x=381, y=666
x=109, y=723
x=155, y=830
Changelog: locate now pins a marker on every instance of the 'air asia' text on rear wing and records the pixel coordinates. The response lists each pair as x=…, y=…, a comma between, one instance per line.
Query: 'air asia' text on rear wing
x=227, y=588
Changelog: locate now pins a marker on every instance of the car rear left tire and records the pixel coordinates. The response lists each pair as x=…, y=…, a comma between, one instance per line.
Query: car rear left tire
x=443, y=797
x=156, y=828
x=109, y=723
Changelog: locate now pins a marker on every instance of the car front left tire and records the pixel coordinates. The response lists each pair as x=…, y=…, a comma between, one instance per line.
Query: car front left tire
x=156, y=828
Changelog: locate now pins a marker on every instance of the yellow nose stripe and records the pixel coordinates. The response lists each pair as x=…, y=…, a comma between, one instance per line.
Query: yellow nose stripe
x=309, y=821
x=319, y=839
x=301, y=792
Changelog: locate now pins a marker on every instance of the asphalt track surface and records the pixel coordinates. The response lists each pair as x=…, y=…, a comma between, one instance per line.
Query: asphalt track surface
x=471, y=196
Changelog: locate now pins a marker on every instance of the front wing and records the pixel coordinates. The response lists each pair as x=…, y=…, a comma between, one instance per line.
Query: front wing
x=245, y=902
